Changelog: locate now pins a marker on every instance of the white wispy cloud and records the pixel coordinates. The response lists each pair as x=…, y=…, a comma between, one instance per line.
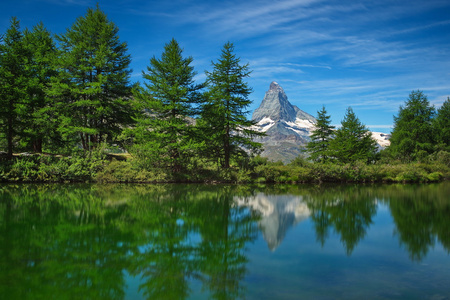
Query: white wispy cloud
x=307, y=66
x=346, y=31
x=249, y=16
x=345, y=53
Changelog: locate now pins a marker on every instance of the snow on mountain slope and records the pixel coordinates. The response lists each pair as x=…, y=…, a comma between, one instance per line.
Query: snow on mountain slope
x=381, y=138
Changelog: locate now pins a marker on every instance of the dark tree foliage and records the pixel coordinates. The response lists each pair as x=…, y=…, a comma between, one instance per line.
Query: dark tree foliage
x=442, y=125
x=164, y=133
x=412, y=134
x=319, y=146
x=92, y=89
x=353, y=141
x=14, y=85
x=40, y=125
x=224, y=116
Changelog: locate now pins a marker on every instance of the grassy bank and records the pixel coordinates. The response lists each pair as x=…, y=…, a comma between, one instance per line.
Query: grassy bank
x=99, y=167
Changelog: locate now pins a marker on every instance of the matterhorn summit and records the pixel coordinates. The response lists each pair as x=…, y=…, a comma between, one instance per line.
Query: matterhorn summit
x=275, y=106
x=287, y=127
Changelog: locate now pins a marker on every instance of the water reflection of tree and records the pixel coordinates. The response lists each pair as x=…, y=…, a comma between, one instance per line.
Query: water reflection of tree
x=55, y=248
x=347, y=210
x=225, y=228
x=64, y=241
x=190, y=233
x=162, y=253
x=421, y=214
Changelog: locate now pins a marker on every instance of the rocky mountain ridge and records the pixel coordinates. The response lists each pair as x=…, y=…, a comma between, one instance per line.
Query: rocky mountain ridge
x=276, y=107
x=287, y=127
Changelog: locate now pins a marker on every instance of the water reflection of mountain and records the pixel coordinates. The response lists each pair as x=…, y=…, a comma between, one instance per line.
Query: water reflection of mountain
x=278, y=214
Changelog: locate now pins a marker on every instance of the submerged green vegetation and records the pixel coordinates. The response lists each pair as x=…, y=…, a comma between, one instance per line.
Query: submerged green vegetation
x=68, y=105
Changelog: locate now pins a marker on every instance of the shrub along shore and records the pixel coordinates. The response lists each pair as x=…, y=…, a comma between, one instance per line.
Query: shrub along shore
x=97, y=166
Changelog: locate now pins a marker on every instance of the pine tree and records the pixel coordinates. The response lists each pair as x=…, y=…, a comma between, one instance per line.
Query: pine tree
x=321, y=137
x=413, y=133
x=92, y=86
x=226, y=126
x=164, y=133
x=14, y=81
x=441, y=125
x=353, y=141
x=40, y=125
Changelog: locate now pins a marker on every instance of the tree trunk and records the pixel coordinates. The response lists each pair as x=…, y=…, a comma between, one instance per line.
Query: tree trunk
x=37, y=145
x=10, y=130
x=83, y=141
x=226, y=146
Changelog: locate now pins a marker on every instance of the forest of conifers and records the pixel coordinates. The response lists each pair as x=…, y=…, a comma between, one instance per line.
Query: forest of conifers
x=67, y=104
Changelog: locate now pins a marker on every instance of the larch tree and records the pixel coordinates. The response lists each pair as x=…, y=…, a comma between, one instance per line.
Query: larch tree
x=92, y=88
x=353, y=141
x=441, y=125
x=164, y=133
x=413, y=130
x=14, y=83
x=319, y=146
x=224, y=114
x=40, y=124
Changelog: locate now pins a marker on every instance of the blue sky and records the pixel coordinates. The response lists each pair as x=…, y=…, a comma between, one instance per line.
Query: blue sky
x=365, y=54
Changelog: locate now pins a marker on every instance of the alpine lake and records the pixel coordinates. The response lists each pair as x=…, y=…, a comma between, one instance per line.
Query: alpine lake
x=89, y=241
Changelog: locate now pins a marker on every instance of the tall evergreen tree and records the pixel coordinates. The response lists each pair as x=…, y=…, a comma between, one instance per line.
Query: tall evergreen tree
x=353, y=140
x=413, y=132
x=14, y=81
x=164, y=134
x=226, y=126
x=92, y=88
x=321, y=137
x=442, y=125
x=40, y=125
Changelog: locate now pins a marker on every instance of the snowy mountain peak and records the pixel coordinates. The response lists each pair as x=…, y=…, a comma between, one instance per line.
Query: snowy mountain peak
x=287, y=127
x=275, y=106
x=274, y=86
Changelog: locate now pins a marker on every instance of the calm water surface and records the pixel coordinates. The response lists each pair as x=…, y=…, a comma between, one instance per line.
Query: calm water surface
x=225, y=242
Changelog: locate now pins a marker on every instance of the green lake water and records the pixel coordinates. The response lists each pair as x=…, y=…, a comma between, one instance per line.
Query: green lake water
x=225, y=242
